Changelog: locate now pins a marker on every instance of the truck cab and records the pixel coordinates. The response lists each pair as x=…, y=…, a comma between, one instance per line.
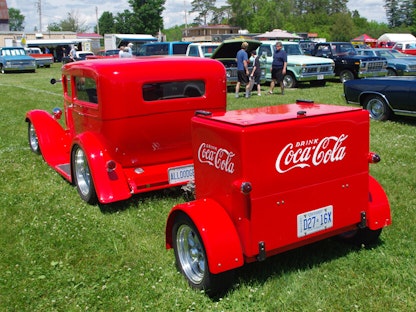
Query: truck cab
x=271, y=179
x=348, y=64
x=15, y=59
x=126, y=133
x=300, y=67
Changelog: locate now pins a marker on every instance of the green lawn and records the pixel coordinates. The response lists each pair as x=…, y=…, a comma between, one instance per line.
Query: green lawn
x=59, y=254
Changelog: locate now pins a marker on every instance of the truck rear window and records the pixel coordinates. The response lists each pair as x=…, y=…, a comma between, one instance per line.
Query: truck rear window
x=173, y=90
x=86, y=89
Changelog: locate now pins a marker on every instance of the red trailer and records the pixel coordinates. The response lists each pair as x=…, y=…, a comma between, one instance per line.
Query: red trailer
x=272, y=179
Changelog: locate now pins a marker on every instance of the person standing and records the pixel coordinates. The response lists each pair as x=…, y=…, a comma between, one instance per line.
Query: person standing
x=278, y=68
x=242, y=69
x=255, y=73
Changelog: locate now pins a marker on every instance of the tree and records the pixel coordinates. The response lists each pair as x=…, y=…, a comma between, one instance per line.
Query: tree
x=106, y=23
x=71, y=23
x=146, y=16
x=205, y=8
x=16, y=20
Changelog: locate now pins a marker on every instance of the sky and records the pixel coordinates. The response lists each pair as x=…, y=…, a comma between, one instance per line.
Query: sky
x=53, y=11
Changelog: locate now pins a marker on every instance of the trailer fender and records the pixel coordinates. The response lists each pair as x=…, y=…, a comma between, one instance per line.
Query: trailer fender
x=218, y=233
x=110, y=185
x=53, y=140
x=378, y=215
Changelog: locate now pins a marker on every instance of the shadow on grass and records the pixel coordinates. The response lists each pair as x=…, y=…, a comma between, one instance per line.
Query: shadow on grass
x=299, y=259
x=135, y=200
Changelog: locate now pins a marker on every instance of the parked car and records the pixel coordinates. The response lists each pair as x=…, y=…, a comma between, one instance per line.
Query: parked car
x=103, y=54
x=407, y=47
x=383, y=97
x=15, y=59
x=163, y=48
x=300, y=67
x=201, y=49
x=127, y=126
x=42, y=59
x=348, y=64
x=80, y=56
x=396, y=66
x=226, y=53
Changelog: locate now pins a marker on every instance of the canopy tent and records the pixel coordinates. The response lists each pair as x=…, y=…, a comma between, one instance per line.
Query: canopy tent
x=277, y=34
x=391, y=37
x=364, y=38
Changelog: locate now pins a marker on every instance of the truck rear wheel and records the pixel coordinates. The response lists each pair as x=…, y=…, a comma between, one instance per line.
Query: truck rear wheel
x=191, y=258
x=82, y=176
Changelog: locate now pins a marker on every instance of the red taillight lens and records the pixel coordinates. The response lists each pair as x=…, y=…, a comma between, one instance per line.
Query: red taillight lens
x=373, y=158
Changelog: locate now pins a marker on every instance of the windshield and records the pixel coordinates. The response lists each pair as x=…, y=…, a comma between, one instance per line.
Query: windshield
x=343, y=49
x=292, y=49
x=12, y=52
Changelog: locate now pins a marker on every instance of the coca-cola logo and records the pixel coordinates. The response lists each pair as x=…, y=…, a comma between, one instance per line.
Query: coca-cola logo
x=219, y=158
x=313, y=152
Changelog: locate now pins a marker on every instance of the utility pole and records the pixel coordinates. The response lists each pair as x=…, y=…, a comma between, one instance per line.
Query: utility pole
x=96, y=16
x=39, y=7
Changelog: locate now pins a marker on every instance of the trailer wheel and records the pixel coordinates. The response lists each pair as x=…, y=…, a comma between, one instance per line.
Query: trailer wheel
x=377, y=107
x=33, y=139
x=191, y=258
x=82, y=176
x=363, y=236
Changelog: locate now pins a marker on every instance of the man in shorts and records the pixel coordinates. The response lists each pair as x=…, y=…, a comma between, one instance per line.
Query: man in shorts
x=278, y=68
x=242, y=70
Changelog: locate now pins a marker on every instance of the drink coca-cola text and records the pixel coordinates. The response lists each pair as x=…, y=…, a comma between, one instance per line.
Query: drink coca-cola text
x=220, y=158
x=313, y=152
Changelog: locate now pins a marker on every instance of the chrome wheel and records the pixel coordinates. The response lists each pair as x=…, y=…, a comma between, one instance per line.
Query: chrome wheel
x=33, y=139
x=289, y=81
x=191, y=254
x=82, y=176
x=377, y=108
x=346, y=75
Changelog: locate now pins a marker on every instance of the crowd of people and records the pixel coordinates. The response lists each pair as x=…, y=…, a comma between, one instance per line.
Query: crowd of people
x=249, y=79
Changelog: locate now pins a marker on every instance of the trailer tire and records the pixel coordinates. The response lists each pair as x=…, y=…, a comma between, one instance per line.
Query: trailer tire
x=191, y=258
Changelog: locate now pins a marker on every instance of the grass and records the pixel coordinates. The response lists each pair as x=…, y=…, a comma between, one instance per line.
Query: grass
x=60, y=254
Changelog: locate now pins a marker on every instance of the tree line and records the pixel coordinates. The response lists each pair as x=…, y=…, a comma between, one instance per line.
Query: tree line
x=331, y=19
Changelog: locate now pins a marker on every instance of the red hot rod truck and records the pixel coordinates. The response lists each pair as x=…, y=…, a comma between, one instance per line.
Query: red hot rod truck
x=127, y=123
x=272, y=179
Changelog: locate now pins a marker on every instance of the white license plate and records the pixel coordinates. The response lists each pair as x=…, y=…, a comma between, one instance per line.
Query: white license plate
x=181, y=174
x=315, y=220
x=320, y=77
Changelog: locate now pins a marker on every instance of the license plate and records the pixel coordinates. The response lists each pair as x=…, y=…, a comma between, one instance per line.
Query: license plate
x=320, y=77
x=315, y=220
x=181, y=174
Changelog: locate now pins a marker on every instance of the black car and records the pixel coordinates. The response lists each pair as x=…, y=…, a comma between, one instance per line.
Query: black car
x=383, y=97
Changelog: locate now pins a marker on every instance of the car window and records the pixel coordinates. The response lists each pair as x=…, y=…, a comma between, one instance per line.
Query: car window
x=292, y=49
x=179, y=48
x=172, y=90
x=265, y=50
x=193, y=51
x=86, y=89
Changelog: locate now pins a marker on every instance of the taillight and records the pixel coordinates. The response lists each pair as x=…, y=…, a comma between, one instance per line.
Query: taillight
x=57, y=113
x=373, y=158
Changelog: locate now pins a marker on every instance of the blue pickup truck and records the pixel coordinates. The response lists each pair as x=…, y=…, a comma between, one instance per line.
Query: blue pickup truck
x=13, y=59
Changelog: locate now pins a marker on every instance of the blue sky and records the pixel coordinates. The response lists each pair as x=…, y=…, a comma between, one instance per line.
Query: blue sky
x=54, y=11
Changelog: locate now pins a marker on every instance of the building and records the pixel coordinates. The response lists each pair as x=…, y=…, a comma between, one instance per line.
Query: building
x=209, y=33
x=4, y=16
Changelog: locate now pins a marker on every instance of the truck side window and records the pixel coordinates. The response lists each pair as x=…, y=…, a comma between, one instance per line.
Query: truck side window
x=67, y=86
x=86, y=89
x=173, y=90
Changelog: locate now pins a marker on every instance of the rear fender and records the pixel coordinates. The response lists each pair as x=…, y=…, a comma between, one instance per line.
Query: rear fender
x=110, y=186
x=378, y=215
x=53, y=140
x=219, y=236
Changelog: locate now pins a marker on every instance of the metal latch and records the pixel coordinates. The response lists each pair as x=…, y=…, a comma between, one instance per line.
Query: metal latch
x=262, y=252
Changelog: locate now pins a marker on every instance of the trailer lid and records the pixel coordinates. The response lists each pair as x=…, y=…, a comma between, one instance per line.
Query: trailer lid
x=259, y=115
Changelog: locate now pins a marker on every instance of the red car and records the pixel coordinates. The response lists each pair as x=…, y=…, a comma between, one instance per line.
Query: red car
x=127, y=123
x=272, y=179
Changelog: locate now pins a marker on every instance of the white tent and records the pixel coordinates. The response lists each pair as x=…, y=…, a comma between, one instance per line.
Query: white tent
x=392, y=37
x=277, y=34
